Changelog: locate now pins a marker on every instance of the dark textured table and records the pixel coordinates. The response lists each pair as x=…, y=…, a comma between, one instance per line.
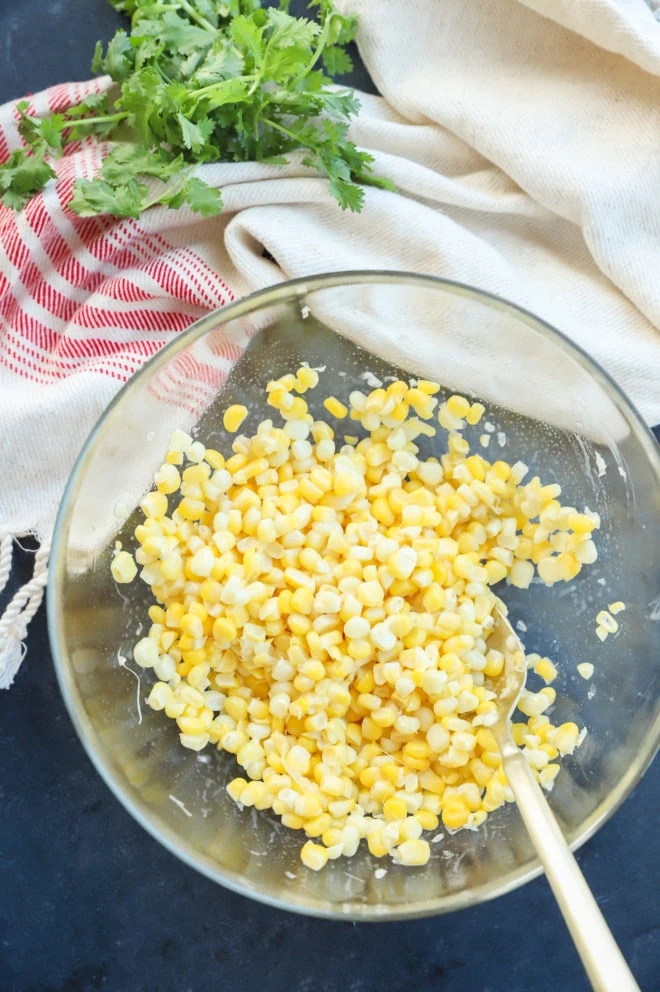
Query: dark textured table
x=89, y=901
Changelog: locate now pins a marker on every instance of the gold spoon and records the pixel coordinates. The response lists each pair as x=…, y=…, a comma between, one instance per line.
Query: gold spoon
x=601, y=957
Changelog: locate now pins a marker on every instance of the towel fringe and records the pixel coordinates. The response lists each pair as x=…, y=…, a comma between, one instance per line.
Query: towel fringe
x=22, y=607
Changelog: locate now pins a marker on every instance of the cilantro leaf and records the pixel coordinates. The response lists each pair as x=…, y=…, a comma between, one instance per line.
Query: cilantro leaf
x=225, y=63
x=96, y=196
x=227, y=91
x=343, y=104
x=349, y=196
x=128, y=160
x=50, y=129
x=336, y=61
x=202, y=198
x=246, y=35
x=118, y=59
x=194, y=136
x=21, y=177
x=94, y=103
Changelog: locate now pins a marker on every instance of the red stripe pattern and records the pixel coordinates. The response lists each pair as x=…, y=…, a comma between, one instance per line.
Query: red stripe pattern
x=97, y=294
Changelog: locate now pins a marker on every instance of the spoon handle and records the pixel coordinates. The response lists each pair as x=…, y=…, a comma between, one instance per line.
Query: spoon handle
x=601, y=957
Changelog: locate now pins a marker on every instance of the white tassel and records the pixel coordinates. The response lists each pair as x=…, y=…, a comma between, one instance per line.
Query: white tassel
x=25, y=603
x=6, y=551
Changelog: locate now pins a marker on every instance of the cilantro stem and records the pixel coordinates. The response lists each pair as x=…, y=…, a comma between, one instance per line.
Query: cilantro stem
x=213, y=86
x=196, y=16
x=190, y=11
x=76, y=122
x=323, y=37
x=158, y=200
x=290, y=134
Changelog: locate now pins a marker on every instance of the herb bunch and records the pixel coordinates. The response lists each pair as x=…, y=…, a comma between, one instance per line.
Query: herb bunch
x=202, y=81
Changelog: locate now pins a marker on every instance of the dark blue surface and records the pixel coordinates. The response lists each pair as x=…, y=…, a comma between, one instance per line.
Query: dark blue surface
x=89, y=901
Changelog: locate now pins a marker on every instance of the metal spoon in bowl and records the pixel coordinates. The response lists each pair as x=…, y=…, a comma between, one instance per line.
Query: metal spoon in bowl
x=601, y=957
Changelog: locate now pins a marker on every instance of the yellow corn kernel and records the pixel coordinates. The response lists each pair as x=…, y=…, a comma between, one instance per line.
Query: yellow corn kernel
x=394, y=809
x=233, y=417
x=190, y=509
x=377, y=844
x=235, y=788
x=546, y=670
x=565, y=738
x=495, y=572
x=426, y=819
x=308, y=806
x=156, y=614
x=167, y=479
x=154, y=505
x=413, y=852
x=214, y=458
x=306, y=378
x=335, y=407
x=428, y=386
x=455, y=814
x=224, y=629
x=317, y=826
x=457, y=406
x=475, y=413
x=313, y=856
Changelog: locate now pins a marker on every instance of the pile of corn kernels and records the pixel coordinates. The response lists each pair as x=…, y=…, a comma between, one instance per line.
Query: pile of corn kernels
x=324, y=607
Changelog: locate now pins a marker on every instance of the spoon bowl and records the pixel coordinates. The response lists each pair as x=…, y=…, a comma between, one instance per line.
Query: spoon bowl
x=510, y=683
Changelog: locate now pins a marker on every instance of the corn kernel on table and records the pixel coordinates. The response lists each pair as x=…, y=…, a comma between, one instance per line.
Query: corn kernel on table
x=89, y=901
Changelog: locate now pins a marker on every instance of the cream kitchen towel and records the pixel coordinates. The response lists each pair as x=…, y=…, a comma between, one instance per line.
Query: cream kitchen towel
x=524, y=140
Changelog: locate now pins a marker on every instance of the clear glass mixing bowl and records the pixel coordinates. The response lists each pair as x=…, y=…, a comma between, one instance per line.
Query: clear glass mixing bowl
x=547, y=404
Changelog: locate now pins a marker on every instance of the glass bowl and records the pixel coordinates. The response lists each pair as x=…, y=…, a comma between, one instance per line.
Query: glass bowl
x=547, y=404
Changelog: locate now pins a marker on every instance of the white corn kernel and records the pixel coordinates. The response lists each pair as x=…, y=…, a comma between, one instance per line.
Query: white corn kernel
x=123, y=567
x=145, y=653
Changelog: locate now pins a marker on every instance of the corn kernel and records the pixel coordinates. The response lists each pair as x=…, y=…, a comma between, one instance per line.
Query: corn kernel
x=123, y=567
x=154, y=505
x=335, y=407
x=233, y=417
x=546, y=670
x=314, y=856
x=565, y=738
x=414, y=852
x=394, y=809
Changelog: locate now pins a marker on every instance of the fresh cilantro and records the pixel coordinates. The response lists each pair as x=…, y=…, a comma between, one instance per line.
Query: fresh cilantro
x=21, y=177
x=38, y=134
x=96, y=196
x=337, y=61
x=201, y=81
x=202, y=198
x=118, y=60
x=194, y=136
x=127, y=161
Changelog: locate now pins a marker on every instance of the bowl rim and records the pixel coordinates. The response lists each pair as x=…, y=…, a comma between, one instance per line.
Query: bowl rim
x=353, y=911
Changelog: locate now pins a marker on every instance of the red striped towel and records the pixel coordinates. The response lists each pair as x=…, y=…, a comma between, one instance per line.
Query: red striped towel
x=83, y=303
